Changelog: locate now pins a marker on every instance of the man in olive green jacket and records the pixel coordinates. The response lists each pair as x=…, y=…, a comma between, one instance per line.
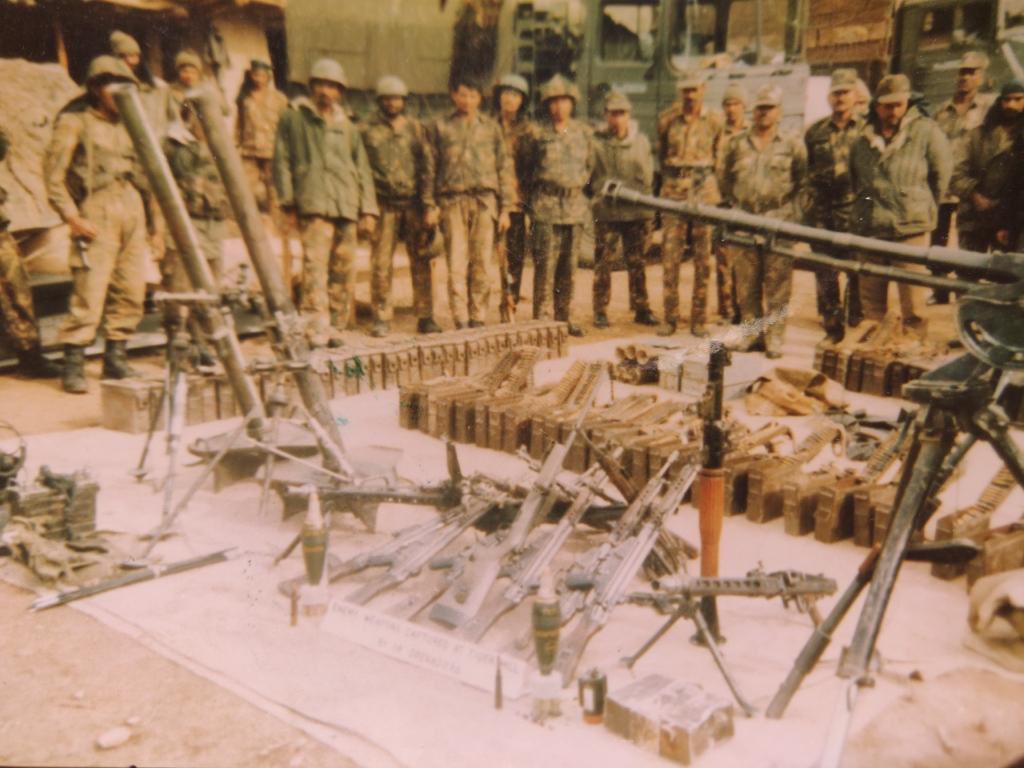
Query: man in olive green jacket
x=900, y=169
x=323, y=178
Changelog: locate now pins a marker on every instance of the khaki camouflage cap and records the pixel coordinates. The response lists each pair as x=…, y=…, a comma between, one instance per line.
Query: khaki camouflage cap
x=974, y=60
x=515, y=82
x=768, y=96
x=617, y=101
x=690, y=78
x=123, y=44
x=558, y=87
x=109, y=66
x=188, y=58
x=893, y=89
x=735, y=92
x=843, y=80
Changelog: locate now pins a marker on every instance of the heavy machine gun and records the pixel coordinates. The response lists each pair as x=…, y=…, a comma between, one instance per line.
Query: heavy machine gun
x=959, y=403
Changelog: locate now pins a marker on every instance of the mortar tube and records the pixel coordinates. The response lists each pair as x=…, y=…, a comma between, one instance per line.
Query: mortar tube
x=215, y=324
x=287, y=329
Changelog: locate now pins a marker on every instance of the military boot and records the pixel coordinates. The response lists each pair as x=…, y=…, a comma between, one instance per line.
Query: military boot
x=380, y=329
x=74, y=376
x=34, y=364
x=427, y=325
x=645, y=317
x=601, y=320
x=115, y=361
x=668, y=328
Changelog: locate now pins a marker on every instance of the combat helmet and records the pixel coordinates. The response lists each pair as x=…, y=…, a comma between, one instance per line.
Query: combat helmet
x=391, y=85
x=559, y=86
x=330, y=70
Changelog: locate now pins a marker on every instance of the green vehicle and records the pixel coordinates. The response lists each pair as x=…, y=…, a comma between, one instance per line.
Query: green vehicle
x=637, y=46
x=932, y=35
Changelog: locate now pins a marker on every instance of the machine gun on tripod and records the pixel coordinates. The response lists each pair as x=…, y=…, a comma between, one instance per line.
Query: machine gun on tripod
x=959, y=403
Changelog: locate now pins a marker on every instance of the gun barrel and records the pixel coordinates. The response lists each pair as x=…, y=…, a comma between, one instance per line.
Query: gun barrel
x=999, y=267
x=167, y=194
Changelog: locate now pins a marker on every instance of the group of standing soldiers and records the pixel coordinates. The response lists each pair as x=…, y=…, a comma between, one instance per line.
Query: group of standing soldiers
x=499, y=188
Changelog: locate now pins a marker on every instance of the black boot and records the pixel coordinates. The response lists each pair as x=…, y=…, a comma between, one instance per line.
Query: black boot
x=427, y=325
x=73, y=377
x=645, y=317
x=115, y=361
x=34, y=364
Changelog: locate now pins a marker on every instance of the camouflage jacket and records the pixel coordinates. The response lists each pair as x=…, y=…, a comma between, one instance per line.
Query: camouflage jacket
x=196, y=173
x=898, y=184
x=320, y=166
x=87, y=153
x=401, y=161
x=514, y=135
x=4, y=143
x=984, y=165
x=257, y=123
x=767, y=182
x=687, y=151
x=627, y=160
x=829, y=188
x=560, y=166
x=958, y=126
x=472, y=159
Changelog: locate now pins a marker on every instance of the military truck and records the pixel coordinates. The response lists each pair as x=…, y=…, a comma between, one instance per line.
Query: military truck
x=924, y=39
x=638, y=46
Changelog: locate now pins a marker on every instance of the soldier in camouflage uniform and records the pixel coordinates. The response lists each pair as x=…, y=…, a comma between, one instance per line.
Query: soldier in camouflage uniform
x=688, y=138
x=92, y=181
x=17, y=317
x=474, y=189
x=830, y=190
x=622, y=154
x=560, y=154
x=734, y=110
x=207, y=204
x=763, y=173
x=260, y=106
x=510, y=95
x=403, y=172
x=957, y=117
x=982, y=178
x=322, y=176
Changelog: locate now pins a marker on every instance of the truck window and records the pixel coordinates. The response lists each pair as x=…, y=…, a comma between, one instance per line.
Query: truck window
x=976, y=23
x=693, y=32
x=1013, y=16
x=627, y=30
x=936, y=29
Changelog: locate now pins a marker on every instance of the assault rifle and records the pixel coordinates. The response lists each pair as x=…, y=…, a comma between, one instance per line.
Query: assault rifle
x=525, y=573
x=622, y=567
x=678, y=597
x=464, y=598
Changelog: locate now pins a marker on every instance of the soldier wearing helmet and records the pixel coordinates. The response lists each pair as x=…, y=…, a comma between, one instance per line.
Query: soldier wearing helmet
x=734, y=110
x=475, y=191
x=560, y=155
x=688, y=141
x=323, y=180
x=93, y=181
x=403, y=174
x=259, y=108
x=511, y=96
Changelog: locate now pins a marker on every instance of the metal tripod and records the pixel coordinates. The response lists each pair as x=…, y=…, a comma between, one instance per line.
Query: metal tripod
x=959, y=404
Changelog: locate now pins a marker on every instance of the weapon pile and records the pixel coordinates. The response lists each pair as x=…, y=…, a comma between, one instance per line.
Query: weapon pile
x=636, y=364
x=56, y=506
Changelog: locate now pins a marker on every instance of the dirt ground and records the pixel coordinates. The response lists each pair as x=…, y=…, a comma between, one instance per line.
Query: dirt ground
x=68, y=679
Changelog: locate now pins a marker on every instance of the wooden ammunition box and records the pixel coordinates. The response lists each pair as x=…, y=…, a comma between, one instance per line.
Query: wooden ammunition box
x=800, y=498
x=408, y=402
x=1003, y=550
x=833, y=512
x=764, y=488
x=968, y=523
x=865, y=500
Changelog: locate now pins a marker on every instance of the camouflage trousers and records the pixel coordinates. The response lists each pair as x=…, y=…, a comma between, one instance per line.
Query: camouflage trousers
x=328, y=275
x=724, y=257
x=678, y=234
x=405, y=224
x=875, y=293
x=176, y=278
x=556, y=249
x=112, y=288
x=829, y=300
x=515, y=257
x=17, y=317
x=764, y=282
x=606, y=235
x=468, y=224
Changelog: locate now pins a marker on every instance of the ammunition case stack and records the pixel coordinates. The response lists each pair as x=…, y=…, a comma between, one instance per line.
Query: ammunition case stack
x=1002, y=550
x=131, y=404
x=52, y=513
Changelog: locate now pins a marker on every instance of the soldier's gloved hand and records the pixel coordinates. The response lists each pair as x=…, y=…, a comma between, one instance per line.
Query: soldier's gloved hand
x=504, y=222
x=431, y=218
x=81, y=227
x=367, y=224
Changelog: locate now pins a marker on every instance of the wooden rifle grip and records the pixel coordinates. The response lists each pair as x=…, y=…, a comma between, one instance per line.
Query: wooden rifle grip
x=711, y=502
